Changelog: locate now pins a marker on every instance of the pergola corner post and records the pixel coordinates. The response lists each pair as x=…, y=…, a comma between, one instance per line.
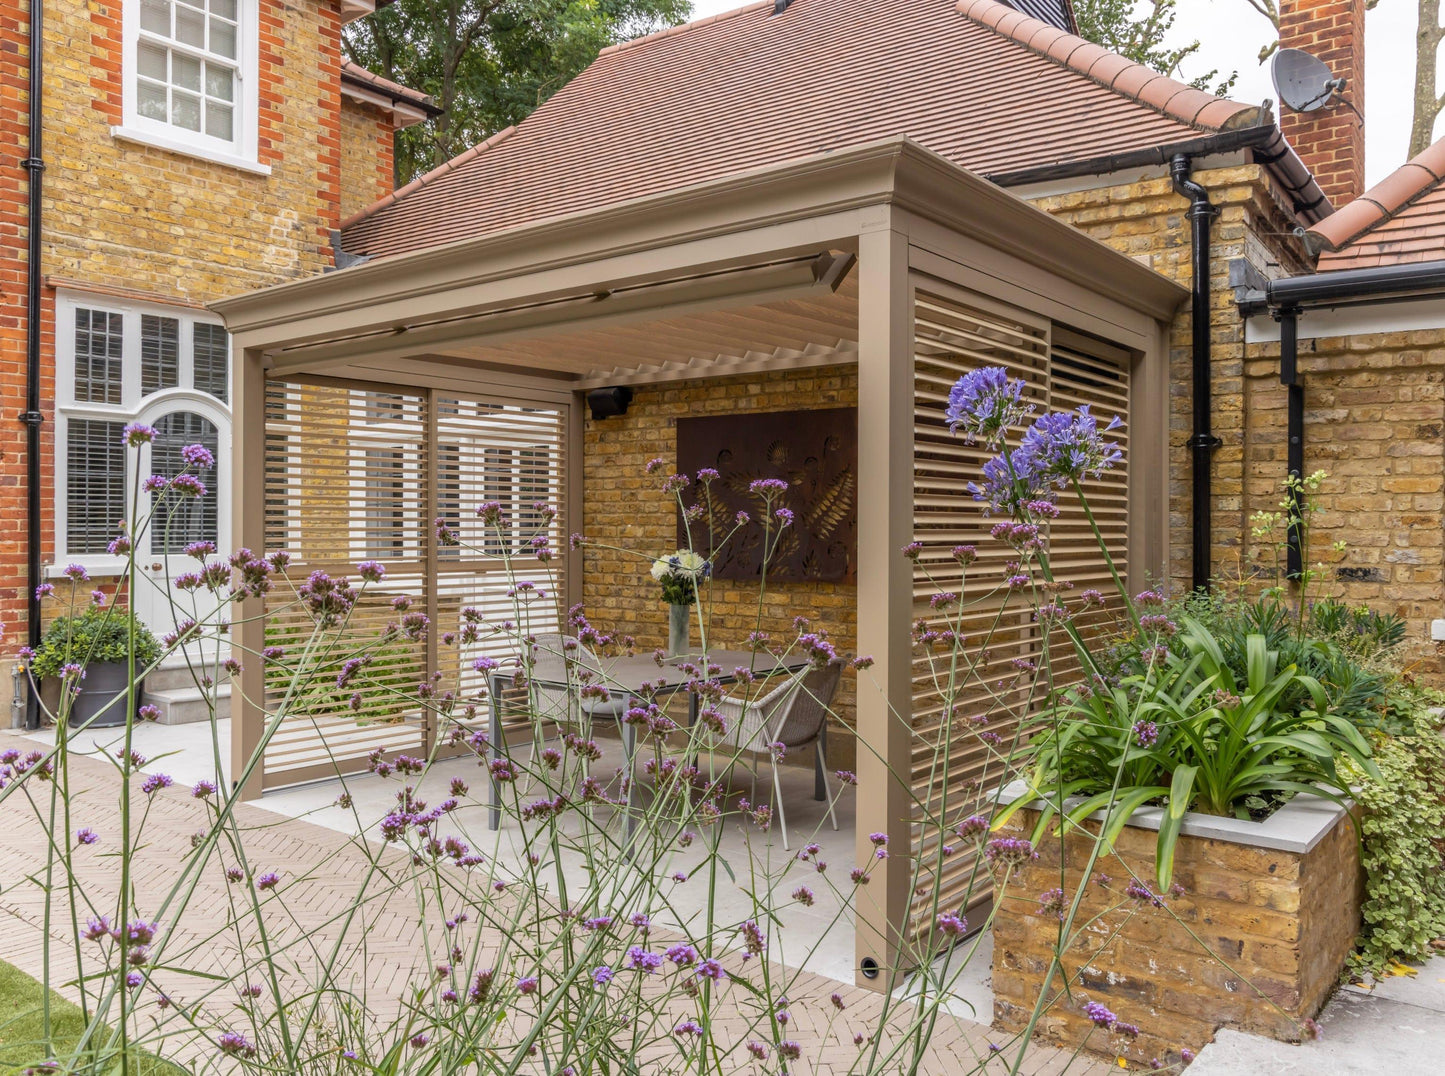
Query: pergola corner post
x=248, y=531
x=885, y=601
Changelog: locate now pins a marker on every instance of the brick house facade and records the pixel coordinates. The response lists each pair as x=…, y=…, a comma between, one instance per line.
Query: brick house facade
x=193, y=149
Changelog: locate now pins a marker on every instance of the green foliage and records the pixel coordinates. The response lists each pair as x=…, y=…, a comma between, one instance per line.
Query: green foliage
x=1194, y=733
x=22, y=1028
x=1139, y=35
x=1402, y=830
x=96, y=636
x=489, y=63
x=1359, y=629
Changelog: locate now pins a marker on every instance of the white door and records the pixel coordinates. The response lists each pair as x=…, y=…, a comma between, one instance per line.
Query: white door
x=182, y=526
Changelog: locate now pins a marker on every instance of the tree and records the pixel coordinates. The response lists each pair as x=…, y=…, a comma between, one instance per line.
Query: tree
x=489, y=63
x=1429, y=103
x=1136, y=29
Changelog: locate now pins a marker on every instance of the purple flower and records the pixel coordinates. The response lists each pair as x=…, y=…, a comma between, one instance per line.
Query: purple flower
x=86, y=836
x=269, y=880
x=1068, y=446
x=76, y=573
x=602, y=975
x=1009, y=481
x=688, y=1027
x=420, y=1039
x=155, y=782
x=1009, y=851
x=952, y=925
x=198, y=456
x=134, y=979
x=138, y=433
x=527, y=984
x=119, y=545
x=1146, y=733
x=711, y=969
x=1098, y=1015
x=768, y=488
x=372, y=571
x=682, y=954
x=44, y=590
x=97, y=928
x=1052, y=903
x=234, y=1044
x=149, y=712
x=985, y=404
x=203, y=789
x=785, y=517
x=640, y=959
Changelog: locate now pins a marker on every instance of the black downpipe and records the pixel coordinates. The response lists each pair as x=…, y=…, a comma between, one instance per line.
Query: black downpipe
x=1203, y=442
x=34, y=165
x=1288, y=317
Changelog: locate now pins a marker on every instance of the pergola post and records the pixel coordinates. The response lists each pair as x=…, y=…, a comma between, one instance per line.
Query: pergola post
x=885, y=598
x=248, y=531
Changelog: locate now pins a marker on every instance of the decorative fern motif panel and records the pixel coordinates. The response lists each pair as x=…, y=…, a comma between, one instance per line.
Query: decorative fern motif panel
x=815, y=453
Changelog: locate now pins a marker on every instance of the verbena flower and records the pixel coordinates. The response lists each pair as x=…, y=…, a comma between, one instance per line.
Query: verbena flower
x=1098, y=1014
x=198, y=456
x=86, y=836
x=136, y=434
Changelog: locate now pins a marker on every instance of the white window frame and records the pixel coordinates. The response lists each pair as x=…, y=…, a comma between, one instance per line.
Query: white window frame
x=133, y=407
x=241, y=151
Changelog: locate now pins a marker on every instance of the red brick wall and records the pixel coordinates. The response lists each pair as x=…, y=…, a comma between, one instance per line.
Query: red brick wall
x=1330, y=141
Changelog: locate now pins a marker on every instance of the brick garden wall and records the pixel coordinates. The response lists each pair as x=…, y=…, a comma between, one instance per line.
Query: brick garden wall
x=1255, y=942
x=625, y=508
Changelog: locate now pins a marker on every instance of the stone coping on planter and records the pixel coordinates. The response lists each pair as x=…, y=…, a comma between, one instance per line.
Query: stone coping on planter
x=1296, y=827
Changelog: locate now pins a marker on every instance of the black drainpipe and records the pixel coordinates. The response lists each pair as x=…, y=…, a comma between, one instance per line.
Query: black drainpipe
x=1288, y=318
x=1202, y=442
x=34, y=166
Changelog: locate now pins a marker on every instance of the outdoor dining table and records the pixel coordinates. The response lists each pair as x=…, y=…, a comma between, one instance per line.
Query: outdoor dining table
x=630, y=677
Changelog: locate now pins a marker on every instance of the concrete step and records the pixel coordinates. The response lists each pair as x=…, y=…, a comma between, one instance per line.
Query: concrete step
x=178, y=676
x=184, y=705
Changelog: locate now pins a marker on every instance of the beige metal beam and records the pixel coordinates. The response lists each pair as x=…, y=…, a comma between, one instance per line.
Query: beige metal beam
x=248, y=531
x=885, y=591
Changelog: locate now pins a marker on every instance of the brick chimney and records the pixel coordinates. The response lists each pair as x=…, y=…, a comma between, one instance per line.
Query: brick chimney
x=1330, y=141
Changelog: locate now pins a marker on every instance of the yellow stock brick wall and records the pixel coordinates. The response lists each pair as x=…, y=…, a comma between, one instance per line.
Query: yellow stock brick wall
x=624, y=507
x=130, y=216
x=1148, y=221
x=366, y=155
x=1375, y=422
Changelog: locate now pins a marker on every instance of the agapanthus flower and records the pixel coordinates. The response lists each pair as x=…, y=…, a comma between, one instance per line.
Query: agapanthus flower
x=1009, y=481
x=984, y=404
x=1068, y=446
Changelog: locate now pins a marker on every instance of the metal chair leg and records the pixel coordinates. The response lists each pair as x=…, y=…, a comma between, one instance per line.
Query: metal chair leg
x=778, y=805
x=822, y=785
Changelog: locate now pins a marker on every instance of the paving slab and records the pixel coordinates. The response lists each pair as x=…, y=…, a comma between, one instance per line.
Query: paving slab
x=1365, y=1033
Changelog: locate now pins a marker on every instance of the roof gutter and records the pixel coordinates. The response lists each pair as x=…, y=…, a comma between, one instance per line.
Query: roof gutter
x=1264, y=138
x=1345, y=287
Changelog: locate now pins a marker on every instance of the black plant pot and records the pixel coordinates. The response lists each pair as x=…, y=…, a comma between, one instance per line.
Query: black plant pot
x=102, y=695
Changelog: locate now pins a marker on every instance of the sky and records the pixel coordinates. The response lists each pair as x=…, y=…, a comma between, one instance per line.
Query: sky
x=1230, y=34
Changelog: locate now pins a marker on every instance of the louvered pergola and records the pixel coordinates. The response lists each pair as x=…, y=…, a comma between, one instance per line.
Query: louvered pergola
x=369, y=401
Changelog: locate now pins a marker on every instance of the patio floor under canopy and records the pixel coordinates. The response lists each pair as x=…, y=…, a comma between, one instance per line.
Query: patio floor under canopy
x=371, y=401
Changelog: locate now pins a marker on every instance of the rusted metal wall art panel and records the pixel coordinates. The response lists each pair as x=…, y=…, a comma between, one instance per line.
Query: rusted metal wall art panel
x=815, y=452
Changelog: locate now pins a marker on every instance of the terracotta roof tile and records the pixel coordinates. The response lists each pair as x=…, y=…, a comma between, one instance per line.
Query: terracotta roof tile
x=1400, y=219
x=748, y=88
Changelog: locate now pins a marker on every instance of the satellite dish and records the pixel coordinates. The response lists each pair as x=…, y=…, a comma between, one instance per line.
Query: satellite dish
x=1304, y=82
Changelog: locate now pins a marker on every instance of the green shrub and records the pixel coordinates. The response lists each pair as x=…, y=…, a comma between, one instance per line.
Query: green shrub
x=1402, y=828
x=96, y=636
x=1192, y=734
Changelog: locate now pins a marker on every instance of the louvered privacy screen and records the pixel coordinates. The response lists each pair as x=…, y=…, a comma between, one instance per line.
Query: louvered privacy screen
x=953, y=335
x=360, y=473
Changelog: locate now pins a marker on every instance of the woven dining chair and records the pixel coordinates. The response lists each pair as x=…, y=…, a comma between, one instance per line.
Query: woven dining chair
x=794, y=714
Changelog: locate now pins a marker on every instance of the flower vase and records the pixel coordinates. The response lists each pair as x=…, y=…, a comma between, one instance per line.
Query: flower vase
x=679, y=623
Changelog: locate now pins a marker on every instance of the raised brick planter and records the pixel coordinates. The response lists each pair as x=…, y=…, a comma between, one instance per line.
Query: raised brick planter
x=1269, y=913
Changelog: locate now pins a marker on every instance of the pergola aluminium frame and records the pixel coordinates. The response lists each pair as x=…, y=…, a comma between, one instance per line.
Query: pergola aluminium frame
x=428, y=318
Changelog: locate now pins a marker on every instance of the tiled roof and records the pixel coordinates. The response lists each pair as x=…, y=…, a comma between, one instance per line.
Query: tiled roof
x=355, y=73
x=1058, y=13
x=1400, y=219
x=976, y=81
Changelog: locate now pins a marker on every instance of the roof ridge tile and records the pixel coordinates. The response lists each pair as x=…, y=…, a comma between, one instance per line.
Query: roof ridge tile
x=1383, y=202
x=1081, y=55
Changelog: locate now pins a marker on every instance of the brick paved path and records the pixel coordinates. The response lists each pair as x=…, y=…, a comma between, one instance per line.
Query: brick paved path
x=322, y=871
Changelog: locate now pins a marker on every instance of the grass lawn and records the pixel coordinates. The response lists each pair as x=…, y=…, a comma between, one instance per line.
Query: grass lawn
x=21, y=1023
